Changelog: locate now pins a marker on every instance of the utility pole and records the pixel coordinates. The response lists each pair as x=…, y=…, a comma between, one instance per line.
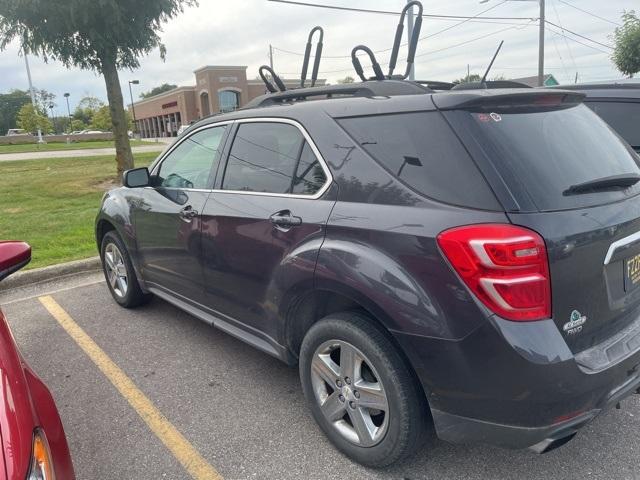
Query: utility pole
x=412, y=72
x=32, y=91
x=271, y=56
x=541, y=46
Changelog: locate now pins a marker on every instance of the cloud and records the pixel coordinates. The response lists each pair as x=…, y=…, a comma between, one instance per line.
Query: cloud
x=239, y=33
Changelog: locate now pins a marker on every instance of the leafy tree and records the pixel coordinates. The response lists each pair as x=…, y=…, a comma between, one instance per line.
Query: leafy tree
x=348, y=79
x=165, y=87
x=10, y=104
x=30, y=119
x=101, y=119
x=77, y=125
x=86, y=109
x=474, y=77
x=44, y=99
x=102, y=36
x=626, y=54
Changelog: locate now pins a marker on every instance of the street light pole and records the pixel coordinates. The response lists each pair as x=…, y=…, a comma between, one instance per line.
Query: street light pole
x=32, y=92
x=133, y=108
x=66, y=96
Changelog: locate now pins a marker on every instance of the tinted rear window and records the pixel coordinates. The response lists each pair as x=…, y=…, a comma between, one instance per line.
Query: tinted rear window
x=546, y=152
x=423, y=152
x=624, y=117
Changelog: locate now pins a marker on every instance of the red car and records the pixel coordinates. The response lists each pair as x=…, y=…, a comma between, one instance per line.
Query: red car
x=34, y=446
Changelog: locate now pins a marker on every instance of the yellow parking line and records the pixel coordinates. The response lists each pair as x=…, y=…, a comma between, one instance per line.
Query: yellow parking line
x=179, y=446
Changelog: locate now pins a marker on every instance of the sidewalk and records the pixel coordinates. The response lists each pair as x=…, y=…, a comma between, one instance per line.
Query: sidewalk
x=93, y=152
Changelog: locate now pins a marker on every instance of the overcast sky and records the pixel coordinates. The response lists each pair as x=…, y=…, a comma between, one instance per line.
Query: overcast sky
x=239, y=33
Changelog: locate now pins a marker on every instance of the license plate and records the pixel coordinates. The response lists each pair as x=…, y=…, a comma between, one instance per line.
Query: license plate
x=632, y=273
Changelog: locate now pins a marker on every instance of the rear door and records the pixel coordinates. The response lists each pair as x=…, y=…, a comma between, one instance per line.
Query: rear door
x=592, y=235
x=270, y=204
x=167, y=216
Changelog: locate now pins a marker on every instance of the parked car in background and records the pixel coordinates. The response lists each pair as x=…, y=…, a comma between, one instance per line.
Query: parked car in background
x=33, y=441
x=17, y=131
x=468, y=256
x=618, y=104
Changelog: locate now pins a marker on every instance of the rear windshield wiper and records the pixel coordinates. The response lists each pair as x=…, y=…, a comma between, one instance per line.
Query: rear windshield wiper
x=614, y=182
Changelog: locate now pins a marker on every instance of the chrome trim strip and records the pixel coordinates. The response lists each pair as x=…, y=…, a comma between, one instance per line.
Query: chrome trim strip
x=289, y=121
x=620, y=243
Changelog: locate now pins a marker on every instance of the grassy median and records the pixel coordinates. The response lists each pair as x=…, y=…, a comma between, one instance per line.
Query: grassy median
x=52, y=204
x=55, y=146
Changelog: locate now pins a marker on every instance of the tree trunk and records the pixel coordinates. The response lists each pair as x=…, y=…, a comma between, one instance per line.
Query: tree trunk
x=124, y=157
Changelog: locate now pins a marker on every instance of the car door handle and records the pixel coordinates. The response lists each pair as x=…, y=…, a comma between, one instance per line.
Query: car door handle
x=187, y=213
x=285, y=219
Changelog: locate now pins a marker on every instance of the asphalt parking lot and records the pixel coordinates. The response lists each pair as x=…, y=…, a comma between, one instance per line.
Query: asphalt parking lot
x=239, y=413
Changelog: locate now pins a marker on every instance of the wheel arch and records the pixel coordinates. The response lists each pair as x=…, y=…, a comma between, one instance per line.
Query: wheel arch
x=305, y=307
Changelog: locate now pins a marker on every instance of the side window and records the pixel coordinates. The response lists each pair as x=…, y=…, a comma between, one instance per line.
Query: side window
x=310, y=176
x=272, y=158
x=190, y=163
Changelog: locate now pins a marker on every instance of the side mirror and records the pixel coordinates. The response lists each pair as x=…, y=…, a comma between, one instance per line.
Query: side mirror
x=136, y=177
x=13, y=256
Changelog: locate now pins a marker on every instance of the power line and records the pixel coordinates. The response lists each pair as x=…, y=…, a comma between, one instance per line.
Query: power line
x=388, y=12
x=486, y=35
x=566, y=42
x=431, y=35
x=579, y=35
x=590, y=13
x=577, y=41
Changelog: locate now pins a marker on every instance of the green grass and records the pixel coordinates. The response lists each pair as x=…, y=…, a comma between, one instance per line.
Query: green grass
x=52, y=204
x=48, y=147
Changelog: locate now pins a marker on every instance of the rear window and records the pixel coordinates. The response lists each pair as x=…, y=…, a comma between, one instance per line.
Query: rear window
x=545, y=152
x=422, y=151
x=624, y=118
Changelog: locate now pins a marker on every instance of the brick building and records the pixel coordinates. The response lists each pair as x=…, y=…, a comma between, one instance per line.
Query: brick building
x=217, y=89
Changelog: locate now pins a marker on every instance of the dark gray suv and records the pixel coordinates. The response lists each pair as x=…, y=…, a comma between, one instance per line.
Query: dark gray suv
x=468, y=260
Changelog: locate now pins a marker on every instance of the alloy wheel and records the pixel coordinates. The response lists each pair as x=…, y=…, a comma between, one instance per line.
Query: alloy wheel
x=116, y=270
x=349, y=392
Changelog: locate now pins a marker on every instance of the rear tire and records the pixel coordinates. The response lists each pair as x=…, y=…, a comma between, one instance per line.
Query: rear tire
x=119, y=272
x=379, y=377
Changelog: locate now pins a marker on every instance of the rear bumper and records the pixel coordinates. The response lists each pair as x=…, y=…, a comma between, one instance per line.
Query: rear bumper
x=514, y=385
x=457, y=429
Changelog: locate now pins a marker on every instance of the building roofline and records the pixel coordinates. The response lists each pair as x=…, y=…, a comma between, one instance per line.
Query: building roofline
x=188, y=88
x=220, y=67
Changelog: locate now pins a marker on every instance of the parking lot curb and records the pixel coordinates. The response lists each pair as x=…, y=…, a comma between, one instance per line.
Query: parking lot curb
x=37, y=275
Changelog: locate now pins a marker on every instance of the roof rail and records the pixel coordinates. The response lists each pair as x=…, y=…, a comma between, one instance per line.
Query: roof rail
x=364, y=89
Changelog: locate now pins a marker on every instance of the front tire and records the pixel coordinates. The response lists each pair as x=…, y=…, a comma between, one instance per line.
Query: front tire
x=119, y=272
x=361, y=391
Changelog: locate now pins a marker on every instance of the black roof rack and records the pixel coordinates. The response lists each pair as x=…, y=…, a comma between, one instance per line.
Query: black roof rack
x=372, y=88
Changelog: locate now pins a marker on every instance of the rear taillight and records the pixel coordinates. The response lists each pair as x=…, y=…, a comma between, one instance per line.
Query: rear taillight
x=505, y=266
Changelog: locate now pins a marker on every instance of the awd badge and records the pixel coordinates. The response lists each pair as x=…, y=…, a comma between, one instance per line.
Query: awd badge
x=574, y=325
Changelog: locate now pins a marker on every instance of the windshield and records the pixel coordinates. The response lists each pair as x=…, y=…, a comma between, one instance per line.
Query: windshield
x=544, y=153
x=624, y=117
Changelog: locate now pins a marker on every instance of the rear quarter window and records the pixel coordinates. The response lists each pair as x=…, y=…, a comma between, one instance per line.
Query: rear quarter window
x=422, y=151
